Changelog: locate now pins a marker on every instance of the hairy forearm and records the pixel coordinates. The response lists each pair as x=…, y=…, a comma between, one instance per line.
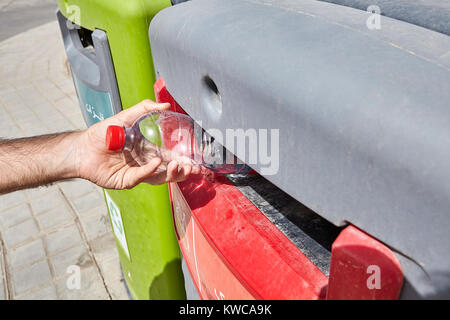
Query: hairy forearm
x=31, y=162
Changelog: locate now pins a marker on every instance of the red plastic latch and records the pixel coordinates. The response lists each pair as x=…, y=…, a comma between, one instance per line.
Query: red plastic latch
x=362, y=268
x=115, y=138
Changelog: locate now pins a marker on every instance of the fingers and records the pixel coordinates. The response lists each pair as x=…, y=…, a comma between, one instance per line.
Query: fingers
x=130, y=115
x=196, y=169
x=148, y=173
x=176, y=173
x=172, y=171
x=184, y=172
x=139, y=174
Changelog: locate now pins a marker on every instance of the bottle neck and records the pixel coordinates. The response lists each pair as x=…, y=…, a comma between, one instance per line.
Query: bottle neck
x=130, y=137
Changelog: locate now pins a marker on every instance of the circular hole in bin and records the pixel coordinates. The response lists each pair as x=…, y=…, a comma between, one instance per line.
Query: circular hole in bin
x=211, y=98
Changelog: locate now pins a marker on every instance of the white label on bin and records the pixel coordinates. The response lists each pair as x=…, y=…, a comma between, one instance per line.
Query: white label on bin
x=116, y=221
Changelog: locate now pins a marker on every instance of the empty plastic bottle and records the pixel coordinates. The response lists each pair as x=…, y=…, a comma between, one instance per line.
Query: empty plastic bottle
x=173, y=136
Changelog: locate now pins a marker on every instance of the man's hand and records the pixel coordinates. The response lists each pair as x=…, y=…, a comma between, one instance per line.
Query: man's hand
x=111, y=169
x=36, y=161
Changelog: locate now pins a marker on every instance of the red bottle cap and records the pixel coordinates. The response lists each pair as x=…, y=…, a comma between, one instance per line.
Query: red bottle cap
x=115, y=138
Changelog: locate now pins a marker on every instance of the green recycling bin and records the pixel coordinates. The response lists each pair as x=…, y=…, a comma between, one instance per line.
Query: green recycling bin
x=107, y=46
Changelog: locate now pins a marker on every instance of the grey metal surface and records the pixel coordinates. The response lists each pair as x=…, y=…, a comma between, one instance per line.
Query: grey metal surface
x=430, y=14
x=364, y=115
x=93, y=66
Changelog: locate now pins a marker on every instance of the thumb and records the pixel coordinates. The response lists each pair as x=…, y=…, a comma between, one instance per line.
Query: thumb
x=130, y=115
x=138, y=174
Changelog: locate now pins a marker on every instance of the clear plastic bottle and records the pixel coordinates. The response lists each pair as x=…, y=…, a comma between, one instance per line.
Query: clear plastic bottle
x=172, y=136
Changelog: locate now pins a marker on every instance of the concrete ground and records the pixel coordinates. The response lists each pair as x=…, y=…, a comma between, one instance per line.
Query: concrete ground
x=20, y=15
x=44, y=232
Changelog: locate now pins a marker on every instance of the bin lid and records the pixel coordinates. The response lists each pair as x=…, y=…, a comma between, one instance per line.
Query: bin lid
x=363, y=115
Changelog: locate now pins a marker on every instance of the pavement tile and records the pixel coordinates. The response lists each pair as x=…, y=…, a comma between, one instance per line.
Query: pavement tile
x=20, y=233
x=11, y=199
x=40, y=191
x=76, y=188
x=17, y=114
x=78, y=255
x=114, y=280
x=31, y=124
x=9, y=126
x=45, y=110
x=49, y=89
x=1, y=263
x=91, y=286
x=31, y=277
x=97, y=224
x=31, y=132
x=67, y=87
x=15, y=215
x=61, y=126
x=27, y=118
x=46, y=293
x=55, y=217
x=47, y=201
x=86, y=203
x=66, y=105
x=26, y=254
x=2, y=290
x=6, y=120
x=63, y=238
x=6, y=88
x=11, y=100
x=53, y=117
x=104, y=247
x=11, y=133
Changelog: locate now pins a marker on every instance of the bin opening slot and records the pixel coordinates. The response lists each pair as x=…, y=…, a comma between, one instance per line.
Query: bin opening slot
x=309, y=232
x=86, y=39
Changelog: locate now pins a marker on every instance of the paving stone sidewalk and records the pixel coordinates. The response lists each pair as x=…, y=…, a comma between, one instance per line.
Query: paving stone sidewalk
x=44, y=231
